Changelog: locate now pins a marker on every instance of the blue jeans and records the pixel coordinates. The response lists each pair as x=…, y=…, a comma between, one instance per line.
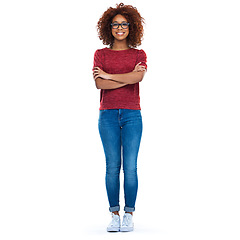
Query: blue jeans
x=120, y=131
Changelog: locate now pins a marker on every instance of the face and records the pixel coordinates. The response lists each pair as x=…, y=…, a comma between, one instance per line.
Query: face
x=122, y=31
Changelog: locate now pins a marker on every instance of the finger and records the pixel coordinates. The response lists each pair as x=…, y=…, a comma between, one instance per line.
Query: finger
x=95, y=73
x=97, y=69
x=95, y=77
x=141, y=68
x=136, y=67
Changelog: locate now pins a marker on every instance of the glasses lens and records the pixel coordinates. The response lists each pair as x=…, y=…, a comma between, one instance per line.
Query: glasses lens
x=124, y=25
x=115, y=25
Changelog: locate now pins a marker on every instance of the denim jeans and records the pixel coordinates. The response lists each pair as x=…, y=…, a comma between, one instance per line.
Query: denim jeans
x=120, y=131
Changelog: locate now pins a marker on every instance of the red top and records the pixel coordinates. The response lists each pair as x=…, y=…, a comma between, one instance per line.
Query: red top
x=118, y=62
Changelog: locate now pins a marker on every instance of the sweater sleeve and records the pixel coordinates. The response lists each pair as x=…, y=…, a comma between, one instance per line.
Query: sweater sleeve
x=98, y=59
x=142, y=57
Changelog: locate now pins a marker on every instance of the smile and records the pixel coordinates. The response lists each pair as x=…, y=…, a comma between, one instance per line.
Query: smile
x=120, y=33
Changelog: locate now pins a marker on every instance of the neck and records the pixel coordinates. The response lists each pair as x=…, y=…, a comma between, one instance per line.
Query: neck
x=120, y=45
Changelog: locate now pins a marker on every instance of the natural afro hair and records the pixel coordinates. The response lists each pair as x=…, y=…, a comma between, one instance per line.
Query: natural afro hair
x=132, y=15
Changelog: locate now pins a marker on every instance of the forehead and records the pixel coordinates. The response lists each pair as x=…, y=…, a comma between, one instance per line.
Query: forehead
x=119, y=18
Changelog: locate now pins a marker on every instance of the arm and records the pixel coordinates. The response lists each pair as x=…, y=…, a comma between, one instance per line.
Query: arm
x=108, y=84
x=128, y=78
x=104, y=80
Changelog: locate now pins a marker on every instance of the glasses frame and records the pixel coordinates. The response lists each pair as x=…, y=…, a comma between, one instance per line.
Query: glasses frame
x=120, y=24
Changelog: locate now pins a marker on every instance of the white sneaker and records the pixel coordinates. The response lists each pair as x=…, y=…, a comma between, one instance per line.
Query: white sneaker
x=127, y=223
x=114, y=225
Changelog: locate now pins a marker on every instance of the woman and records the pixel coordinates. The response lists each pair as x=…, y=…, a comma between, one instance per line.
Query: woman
x=117, y=72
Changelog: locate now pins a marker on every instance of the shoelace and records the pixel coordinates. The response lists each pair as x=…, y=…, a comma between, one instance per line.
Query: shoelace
x=114, y=221
x=126, y=220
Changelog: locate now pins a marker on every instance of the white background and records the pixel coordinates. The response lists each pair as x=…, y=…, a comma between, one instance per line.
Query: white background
x=52, y=163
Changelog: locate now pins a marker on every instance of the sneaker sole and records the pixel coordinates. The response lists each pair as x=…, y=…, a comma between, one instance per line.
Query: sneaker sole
x=126, y=229
x=113, y=229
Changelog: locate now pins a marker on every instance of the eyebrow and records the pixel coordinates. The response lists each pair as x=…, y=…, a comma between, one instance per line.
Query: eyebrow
x=119, y=22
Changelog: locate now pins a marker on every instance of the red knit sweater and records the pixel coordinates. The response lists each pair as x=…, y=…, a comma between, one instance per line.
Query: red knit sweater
x=118, y=62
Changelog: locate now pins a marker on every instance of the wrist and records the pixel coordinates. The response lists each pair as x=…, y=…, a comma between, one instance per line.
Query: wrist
x=109, y=76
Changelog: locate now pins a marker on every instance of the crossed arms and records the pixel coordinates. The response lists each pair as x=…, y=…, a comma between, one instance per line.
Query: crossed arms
x=105, y=80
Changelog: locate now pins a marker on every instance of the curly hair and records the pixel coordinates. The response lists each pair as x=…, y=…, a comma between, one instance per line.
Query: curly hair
x=132, y=15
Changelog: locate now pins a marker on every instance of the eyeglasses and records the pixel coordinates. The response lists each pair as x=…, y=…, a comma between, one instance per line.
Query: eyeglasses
x=116, y=25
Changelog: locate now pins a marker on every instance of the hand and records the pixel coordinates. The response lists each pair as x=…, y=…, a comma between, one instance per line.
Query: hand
x=99, y=73
x=139, y=68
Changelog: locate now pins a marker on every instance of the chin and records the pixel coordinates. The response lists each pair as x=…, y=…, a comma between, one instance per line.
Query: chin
x=120, y=37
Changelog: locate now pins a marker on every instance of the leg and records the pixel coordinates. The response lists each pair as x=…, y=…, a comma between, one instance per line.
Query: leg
x=131, y=138
x=110, y=134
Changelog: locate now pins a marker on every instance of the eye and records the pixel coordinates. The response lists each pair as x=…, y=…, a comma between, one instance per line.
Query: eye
x=114, y=25
x=125, y=25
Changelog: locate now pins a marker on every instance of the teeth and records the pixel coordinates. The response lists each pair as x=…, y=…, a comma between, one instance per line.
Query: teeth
x=120, y=33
